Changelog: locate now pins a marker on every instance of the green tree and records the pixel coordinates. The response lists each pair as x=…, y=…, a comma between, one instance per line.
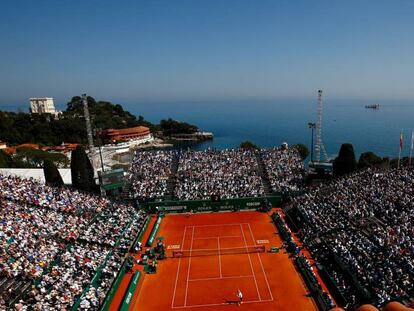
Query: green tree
x=5, y=159
x=368, y=159
x=248, y=145
x=82, y=171
x=35, y=157
x=52, y=175
x=345, y=163
x=19, y=128
x=143, y=122
x=76, y=105
x=173, y=127
x=302, y=149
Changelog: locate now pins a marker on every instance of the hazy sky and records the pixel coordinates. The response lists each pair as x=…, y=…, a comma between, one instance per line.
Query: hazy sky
x=128, y=51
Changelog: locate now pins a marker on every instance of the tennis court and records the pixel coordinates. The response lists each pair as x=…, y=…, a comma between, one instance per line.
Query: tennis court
x=223, y=257
x=212, y=256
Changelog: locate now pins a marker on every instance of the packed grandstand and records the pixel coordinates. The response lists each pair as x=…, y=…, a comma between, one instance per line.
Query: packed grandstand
x=361, y=228
x=53, y=241
x=230, y=173
x=61, y=248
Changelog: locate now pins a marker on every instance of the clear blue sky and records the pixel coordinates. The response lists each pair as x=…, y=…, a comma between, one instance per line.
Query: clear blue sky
x=128, y=51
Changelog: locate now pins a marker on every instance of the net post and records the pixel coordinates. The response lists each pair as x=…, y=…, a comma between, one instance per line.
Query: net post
x=260, y=248
x=177, y=254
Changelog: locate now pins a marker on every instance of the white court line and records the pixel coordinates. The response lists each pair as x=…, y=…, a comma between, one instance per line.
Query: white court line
x=215, y=249
x=218, y=225
x=220, y=304
x=264, y=273
x=219, y=257
x=223, y=277
x=251, y=265
x=221, y=237
x=189, y=266
x=178, y=270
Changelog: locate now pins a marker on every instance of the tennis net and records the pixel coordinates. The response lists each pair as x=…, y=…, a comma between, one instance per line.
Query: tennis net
x=219, y=252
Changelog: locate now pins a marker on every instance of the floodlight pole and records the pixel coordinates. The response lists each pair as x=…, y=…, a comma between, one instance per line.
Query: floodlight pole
x=102, y=163
x=98, y=134
x=88, y=123
x=312, y=126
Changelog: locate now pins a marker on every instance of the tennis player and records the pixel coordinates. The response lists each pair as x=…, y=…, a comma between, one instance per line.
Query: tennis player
x=240, y=296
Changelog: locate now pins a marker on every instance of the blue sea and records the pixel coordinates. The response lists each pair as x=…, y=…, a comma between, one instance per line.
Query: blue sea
x=270, y=123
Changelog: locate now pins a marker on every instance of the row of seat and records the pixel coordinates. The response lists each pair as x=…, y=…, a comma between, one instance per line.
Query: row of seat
x=12, y=289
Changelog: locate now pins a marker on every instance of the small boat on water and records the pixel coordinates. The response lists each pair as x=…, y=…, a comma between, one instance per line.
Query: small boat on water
x=376, y=106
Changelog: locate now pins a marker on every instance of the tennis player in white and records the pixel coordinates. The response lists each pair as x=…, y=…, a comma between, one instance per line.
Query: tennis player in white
x=240, y=296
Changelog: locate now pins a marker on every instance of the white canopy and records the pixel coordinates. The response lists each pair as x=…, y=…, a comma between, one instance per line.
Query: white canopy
x=36, y=173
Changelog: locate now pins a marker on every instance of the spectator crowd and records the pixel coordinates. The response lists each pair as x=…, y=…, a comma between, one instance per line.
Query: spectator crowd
x=285, y=169
x=230, y=173
x=365, y=223
x=226, y=173
x=56, y=240
x=149, y=173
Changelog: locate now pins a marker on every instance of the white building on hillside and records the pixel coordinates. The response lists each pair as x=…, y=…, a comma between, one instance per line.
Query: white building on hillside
x=42, y=105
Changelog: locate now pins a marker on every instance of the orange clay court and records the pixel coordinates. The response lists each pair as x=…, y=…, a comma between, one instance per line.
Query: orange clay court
x=206, y=278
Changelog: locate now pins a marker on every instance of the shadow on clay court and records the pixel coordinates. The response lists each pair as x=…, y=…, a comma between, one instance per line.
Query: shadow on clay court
x=232, y=302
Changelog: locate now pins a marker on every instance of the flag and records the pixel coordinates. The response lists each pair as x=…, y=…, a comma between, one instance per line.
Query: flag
x=401, y=140
x=412, y=140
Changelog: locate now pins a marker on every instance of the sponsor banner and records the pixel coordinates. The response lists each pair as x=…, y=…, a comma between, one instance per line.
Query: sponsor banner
x=154, y=232
x=252, y=204
x=173, y=208
x=224, y=207
x=131, y=290
x=174, y=246
x=209, y=205
x=204, y=208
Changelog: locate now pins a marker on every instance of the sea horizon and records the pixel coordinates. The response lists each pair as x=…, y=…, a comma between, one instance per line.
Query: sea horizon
x=270, y=122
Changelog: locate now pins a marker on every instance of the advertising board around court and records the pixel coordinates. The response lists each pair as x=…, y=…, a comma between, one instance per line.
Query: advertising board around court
x=130, y=291
x=211, y=206
x=154, y=231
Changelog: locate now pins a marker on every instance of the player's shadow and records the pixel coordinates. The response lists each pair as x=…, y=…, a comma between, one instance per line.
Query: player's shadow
x=232, y=302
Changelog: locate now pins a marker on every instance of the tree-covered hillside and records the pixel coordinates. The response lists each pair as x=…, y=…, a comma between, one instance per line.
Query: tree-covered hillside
x=19, y=128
